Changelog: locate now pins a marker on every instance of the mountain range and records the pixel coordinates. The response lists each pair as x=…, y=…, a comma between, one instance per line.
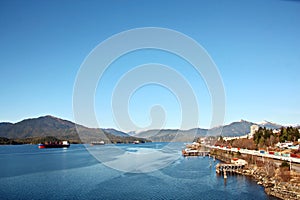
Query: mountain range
x=234, y=129
x=63, y=129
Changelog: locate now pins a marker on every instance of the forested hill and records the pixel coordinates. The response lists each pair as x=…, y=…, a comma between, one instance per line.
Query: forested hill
x=62, y=129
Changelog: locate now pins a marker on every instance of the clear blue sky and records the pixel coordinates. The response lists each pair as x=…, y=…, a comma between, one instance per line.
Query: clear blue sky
x=255, y=45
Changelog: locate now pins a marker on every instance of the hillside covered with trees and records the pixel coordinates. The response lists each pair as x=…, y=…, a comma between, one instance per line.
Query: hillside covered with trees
x=267, y=137
x=49, y=128
x=263, y=138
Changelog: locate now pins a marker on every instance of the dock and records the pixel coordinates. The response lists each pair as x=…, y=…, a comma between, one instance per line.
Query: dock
x=195, y=149
x=188, y=152
x=228, y=167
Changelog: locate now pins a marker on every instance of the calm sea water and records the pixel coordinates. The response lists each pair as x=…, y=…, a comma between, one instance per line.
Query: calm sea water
x=27, y=172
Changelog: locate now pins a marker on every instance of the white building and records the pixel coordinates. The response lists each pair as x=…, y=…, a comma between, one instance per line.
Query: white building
x=253, y=129
x=239, y=161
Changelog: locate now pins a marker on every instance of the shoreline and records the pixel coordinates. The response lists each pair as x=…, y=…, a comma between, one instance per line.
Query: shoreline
x=279, y=183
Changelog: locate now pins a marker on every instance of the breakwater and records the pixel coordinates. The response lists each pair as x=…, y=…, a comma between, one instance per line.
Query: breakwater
x=277, y=181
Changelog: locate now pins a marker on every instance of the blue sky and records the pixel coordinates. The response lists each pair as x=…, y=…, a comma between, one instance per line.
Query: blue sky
x=255, y=45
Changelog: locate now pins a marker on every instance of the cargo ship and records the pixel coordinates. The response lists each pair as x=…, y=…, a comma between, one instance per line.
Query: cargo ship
x=61, y=144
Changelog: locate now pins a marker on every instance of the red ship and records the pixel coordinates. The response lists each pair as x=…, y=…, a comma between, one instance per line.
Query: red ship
x=61, y=144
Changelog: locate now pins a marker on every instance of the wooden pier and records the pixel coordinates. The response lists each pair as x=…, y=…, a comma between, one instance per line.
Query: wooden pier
x=228, y=168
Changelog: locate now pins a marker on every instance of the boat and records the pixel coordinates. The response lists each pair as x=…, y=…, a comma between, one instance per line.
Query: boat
x=98, y=143
x=136, y=142
x=60, y=144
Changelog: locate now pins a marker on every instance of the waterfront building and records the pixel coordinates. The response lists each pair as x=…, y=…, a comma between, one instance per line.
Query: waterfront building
x=238, y=161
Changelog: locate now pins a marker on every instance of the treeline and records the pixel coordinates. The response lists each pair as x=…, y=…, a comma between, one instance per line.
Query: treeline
x=72, y=140
x=124, y=140
x=33, y=140
x=264, y=137
x=6, y=141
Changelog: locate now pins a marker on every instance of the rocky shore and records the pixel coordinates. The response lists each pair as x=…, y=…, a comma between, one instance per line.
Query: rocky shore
x=274, y=186
x=277, y=181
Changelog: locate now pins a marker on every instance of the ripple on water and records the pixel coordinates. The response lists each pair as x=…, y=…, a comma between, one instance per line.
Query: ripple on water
x=75, y=174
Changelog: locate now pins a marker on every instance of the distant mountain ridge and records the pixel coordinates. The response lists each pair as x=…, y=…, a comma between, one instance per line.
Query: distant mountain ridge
x=53, y=126
x=116, y=132
x=233, y=129
x=269, y=125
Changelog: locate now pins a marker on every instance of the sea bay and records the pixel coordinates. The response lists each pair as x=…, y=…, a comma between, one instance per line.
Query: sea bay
x=27, y=172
